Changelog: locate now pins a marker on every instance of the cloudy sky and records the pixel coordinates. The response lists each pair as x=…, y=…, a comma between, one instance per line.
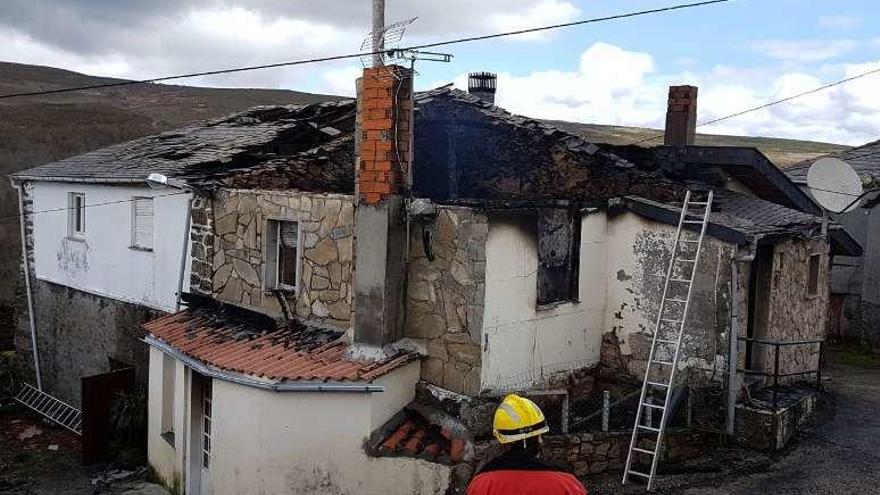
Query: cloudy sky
x=740, y=54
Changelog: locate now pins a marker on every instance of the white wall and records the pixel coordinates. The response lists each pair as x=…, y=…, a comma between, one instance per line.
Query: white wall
x=103, y=262
x=267, y=442
x=166, y=459
x=524, y=345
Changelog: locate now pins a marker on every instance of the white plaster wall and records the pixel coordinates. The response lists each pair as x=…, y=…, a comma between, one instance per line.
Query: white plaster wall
x=103, y=262
x=268, y=443
x=524, y=345
x=166, y=459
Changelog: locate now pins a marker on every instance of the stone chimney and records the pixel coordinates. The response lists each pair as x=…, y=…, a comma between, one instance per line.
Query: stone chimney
x=383, y=157
x=681, y=116
x=483, y=85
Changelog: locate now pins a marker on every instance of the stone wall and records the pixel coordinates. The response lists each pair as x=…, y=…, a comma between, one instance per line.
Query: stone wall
x=595, y=453
x=78, y=334
x=445, y=296
x=794, y=314
x=238, y=258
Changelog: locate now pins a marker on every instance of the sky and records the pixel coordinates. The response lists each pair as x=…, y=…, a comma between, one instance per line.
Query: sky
x=741, y=54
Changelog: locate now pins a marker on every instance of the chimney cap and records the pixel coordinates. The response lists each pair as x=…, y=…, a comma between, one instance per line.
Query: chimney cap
x=482, y=81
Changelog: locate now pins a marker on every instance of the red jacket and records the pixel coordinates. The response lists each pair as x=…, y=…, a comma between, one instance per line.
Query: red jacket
x=511, y=474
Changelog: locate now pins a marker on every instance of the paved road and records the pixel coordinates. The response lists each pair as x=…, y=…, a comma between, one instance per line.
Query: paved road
x=841, y=457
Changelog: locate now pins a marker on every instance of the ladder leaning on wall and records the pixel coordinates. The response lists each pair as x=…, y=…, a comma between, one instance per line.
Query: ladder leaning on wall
x=666, y=344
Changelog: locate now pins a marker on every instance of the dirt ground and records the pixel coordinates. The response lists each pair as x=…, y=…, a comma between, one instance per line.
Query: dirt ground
x=37, y=458
x=838, y=455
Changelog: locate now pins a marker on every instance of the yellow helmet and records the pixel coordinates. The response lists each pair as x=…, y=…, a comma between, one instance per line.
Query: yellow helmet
x=518, y=418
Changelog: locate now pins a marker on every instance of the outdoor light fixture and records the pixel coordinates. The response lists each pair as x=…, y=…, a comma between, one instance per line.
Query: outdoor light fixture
x=161, y=181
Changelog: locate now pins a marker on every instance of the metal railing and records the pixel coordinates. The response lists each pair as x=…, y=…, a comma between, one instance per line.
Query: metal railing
x=774, y=374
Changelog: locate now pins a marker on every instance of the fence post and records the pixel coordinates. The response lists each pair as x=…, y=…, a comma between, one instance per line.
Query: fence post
x=606, y=405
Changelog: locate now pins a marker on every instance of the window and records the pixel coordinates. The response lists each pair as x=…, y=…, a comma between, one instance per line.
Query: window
x=76, y=214
x=169, y=374
x=282, y=255
x=813, y=275
x=142, y=223
x=558, y=255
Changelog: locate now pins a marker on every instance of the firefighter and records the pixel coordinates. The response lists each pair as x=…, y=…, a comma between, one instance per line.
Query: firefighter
x=518, y=426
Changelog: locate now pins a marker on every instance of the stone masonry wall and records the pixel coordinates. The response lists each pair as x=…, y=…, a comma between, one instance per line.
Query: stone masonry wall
x=599, y=452
x=445, y=296
x=794, y=314
x=239, y=252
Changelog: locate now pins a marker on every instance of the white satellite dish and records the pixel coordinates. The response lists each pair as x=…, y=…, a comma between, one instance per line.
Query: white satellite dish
x=834, y=184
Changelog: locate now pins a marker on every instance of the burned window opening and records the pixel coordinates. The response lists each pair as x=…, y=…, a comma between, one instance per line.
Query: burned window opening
x=558, y=255
x=282, y=255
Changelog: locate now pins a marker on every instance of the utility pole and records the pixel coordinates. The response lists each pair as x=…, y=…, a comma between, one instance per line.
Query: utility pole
x=378, y=28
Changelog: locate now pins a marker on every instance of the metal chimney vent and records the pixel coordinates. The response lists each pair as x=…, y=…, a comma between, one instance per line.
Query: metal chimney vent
x=483, y=85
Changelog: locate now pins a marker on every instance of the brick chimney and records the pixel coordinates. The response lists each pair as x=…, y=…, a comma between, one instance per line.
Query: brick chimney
x=681, y=116
x=483, y=85
x=384, y=141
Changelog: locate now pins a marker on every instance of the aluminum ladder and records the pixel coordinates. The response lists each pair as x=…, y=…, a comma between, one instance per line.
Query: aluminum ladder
x=51, y=408
x=668, y=332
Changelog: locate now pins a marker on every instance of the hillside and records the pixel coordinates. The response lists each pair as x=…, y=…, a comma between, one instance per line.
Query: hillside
x=782, y=152
x=40, y=129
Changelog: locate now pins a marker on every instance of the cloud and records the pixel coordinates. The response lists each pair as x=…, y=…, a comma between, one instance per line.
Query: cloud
x=841, y=22
x=612, y=85
x=803, y=50
x=543, y=13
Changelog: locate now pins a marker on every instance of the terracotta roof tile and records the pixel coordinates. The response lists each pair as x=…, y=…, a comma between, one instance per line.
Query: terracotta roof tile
x=274, y=353
x=410, y=434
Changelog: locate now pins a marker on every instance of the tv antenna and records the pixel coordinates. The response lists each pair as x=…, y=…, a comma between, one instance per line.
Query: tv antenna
x=384, y=48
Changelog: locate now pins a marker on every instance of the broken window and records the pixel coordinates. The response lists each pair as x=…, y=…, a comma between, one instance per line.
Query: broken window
x=558, y=255
x=282, y=255
x=76, y=214
x=813, y=275
x=169, y=374
x=142, y=223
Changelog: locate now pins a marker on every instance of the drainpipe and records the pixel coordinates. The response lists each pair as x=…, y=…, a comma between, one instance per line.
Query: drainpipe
x=27, y=284
x=732, y=359
x=186, y=234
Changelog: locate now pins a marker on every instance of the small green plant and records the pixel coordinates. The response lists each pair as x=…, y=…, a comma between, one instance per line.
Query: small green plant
x=128, y=416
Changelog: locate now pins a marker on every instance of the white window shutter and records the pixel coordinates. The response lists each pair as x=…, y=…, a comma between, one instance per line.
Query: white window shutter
x=143, y=223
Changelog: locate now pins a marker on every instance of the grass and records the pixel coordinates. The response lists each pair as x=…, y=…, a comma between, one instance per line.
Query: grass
x=855, y=354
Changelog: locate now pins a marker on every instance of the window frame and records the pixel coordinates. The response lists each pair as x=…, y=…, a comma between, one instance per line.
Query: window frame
x=76, y=214
x=272, y=256
x=813, y=282
x=134, y=243
x=572, y=291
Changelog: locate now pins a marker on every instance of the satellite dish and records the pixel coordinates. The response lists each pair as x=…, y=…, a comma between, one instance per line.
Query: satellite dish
x=834, y=184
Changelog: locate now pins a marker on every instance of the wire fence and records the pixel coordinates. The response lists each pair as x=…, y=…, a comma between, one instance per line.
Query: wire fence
x=699, y=407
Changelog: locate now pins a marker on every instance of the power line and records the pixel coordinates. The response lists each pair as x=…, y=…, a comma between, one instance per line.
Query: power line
x=366, y=54
x=105, y=203
x=773, y=103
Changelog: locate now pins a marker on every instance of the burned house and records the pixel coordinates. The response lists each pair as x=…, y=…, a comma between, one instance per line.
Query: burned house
x=346, y=255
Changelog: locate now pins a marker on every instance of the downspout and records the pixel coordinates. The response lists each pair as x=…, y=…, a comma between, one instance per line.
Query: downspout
x=27, y=284
x=186, y=235
x=733, y=359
